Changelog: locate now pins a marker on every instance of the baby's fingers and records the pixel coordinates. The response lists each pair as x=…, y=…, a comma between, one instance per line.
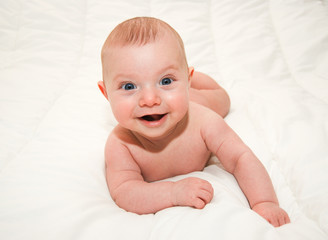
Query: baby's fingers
x=203, y=198
x=198, y=203
x=284, y=219
x=280, y=219
x=208, y=187
x=206, y=196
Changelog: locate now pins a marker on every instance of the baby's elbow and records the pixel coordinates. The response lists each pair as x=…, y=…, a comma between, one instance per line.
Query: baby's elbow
x=242, y=161
x=122, y=202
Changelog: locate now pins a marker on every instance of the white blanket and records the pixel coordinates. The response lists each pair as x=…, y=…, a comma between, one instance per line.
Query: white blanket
x=272, y=58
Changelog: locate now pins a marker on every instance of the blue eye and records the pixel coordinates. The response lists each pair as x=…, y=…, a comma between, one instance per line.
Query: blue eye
x=166, y=81
x=128, y=86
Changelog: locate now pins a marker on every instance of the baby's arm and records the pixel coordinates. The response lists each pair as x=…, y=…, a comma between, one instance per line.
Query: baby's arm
x=130, y=192
x=251, y=175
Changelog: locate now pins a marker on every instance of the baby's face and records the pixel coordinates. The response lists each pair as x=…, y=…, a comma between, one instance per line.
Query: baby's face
x=148, y=86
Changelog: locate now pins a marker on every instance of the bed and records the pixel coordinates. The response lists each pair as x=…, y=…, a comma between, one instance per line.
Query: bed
x=272, y=58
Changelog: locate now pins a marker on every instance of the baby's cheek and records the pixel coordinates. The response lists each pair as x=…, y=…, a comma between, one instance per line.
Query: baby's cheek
x=180, y=102
x=122, y=111
x=182, y=97
x=181, y=93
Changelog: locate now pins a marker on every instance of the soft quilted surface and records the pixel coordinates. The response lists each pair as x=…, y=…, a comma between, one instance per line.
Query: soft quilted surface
x=271, y=56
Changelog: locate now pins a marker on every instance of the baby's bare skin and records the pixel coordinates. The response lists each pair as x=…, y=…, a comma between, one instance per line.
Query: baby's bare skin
x=182, y=152
x=186, y=149
x=169, y=124
x=160, y=160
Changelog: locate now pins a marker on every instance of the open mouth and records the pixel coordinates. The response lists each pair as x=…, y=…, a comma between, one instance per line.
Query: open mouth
x=153, y=117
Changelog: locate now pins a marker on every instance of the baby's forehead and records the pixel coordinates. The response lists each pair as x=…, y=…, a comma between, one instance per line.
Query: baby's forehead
x=166, y=39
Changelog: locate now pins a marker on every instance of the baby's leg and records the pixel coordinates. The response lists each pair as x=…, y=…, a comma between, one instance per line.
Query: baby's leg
x=205, y=91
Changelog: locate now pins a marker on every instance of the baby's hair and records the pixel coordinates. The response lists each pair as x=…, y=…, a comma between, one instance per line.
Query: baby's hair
x=139, y=31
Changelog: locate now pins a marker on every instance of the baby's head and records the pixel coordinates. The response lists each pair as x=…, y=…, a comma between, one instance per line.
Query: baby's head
x=138, y=31
x=145, y=76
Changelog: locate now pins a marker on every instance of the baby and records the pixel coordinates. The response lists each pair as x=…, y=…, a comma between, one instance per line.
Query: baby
x=169, y=122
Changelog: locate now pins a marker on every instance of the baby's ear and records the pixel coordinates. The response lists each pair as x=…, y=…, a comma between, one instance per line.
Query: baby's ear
x=102, y=88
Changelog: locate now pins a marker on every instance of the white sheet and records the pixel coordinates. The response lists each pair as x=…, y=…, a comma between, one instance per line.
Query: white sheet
x=271, y=56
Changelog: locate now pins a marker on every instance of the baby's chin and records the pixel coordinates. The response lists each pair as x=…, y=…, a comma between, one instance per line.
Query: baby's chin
x=155, y=135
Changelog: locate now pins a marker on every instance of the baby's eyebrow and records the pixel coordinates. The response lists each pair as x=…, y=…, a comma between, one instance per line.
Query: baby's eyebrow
x=169, y=67
x=120, y=76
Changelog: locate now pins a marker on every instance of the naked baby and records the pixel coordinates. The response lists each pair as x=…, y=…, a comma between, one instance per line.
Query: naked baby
x=169, y=123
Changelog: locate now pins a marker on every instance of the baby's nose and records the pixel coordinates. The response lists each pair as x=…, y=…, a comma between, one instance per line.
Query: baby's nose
x=149, y=98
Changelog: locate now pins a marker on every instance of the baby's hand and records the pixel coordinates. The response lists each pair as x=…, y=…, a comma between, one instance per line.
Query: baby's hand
x=272, y=213
x=193, y=192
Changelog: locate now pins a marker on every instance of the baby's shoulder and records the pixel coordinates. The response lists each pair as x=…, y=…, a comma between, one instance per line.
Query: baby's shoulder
x=202, y=113
x=207, y=120
x=120, y=136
